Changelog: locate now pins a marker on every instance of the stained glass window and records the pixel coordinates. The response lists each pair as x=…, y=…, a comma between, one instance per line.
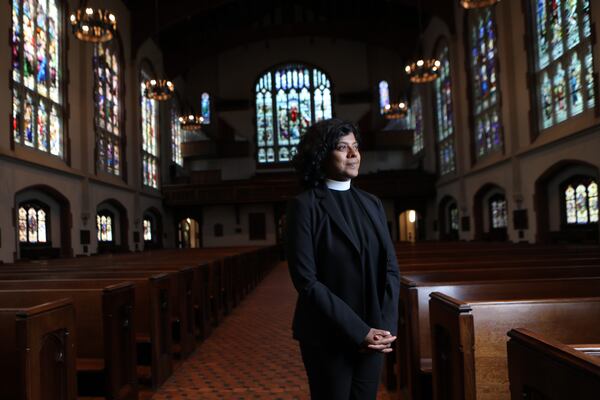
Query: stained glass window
x=147, y=230
x=454, y=218
x=485, y=87
x=37, y=110
x=205, y=108
x=417, y=112
x=499, y=214
x=149, y=138
x=107, y=107
x=288, y=100
x=104, y=225
x=581, y=202
x=384, y=96
x=33, y=224
x=564, y=63
x=176, y=134
x=445, y=113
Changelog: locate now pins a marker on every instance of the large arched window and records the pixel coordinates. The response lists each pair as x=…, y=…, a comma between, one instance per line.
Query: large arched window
x=176, y=133
x=107, y=99
x=417, y=114
x=580, y=201
x=149, y=110
x=37, y=103
x=288, y=100
x=445, y=113
x=205, y=108
x=485, y=88
x=105, y=226
x=34, y=223
x=384, y=96
x=563, y=59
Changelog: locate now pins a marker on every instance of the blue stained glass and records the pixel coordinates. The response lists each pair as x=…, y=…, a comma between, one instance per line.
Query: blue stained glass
x=205, y=108
x=556, y=29
x=384, y=96
x=572, y=27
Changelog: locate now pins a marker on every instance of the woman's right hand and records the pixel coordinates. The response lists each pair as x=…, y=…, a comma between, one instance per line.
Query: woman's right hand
x=379, y=340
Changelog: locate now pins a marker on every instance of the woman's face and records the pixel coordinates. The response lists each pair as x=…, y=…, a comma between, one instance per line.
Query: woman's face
x=344, y=160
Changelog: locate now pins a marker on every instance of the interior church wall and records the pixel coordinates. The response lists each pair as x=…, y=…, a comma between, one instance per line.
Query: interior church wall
x=236, y=232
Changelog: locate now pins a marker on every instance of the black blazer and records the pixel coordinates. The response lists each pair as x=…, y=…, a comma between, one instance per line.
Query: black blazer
x=325, y=265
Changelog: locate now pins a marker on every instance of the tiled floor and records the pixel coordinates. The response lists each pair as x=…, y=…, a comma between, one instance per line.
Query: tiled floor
x=251, y=355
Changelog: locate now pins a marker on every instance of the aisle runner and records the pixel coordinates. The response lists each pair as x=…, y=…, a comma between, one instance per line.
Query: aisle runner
x=251, y=355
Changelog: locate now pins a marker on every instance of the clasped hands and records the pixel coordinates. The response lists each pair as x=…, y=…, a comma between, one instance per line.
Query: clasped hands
x=379, y=340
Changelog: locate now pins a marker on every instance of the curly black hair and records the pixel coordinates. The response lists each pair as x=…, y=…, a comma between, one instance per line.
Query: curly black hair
x=315, y=147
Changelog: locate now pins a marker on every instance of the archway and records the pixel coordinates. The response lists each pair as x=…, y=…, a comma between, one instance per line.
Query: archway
x=112, y=227
x=54, y=209
x=550, y=203
x=152, y=227
x=448, y=219
x=188, y=234
x=490, y=211
x=408, y=226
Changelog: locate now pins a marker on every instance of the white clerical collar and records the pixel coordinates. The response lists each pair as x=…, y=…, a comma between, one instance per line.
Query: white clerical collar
x=338, y=185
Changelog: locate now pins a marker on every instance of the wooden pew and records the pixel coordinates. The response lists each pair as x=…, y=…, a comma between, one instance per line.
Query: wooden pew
x=153, y=318
x=37, y=350
x=469, y=338
x=542, y=368
x=413, y=347
x=106, y=343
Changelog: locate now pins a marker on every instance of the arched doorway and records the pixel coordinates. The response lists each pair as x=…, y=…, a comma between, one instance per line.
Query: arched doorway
x=408, y=226
x=188, y=236
x=491, y=213
x=111, y=227
x=43, y=216
x=152, y=229
x=448, y=219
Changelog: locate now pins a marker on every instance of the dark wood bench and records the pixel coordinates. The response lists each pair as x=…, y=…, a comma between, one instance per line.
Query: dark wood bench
x=153, y=318
x=413, y=353
x=106, y=343
x=469, y=338
x=543, y=368
x=37, y=361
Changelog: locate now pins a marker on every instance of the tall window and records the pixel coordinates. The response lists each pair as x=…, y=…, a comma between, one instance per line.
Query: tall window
x=37, y=111
x=445, y=113
x=384, y=96
x=498, y=212
x=454, y=220
x=147, y=229
x=417, y=114
x=564, y=65
x=107, y=108
x=104, y=225
x=581, y=202
x=288, y=100
x=34, y=223
x=149, y=138
x=176, y=133
x=485, y=88
x=205, y=108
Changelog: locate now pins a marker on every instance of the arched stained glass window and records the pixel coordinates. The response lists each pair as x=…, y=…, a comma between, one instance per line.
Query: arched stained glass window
x=33, y=224
x=384, y=96
x=150, y=163
x=563, y=59
x=499, y=213
x=581, y=202
x=445, y=113
x=176, y=134
x=104, y=225
x=205, y=108
x=417, y=113
x=107, y=107
x=147, y=230
x=484, y=81
x=288, y=100
x=37, y=104
x=454, y=221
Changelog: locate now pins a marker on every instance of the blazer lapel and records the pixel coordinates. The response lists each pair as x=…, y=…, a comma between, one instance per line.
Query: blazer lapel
x=335, y=214
x=372, y=212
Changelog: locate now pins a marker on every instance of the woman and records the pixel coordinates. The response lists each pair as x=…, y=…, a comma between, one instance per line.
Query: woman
x=343, y=265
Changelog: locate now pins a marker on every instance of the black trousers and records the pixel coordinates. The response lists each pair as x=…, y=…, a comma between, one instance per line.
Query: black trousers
x=338, y=373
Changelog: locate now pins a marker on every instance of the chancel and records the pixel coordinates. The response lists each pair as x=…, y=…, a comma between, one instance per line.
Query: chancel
x=149, y=154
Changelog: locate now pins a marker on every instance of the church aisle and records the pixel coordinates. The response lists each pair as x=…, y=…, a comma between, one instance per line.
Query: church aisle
x=251, y=355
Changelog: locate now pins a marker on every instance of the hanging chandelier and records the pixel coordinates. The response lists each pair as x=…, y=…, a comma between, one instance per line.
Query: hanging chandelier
x=159, y=89
x=423, y=71
x=191, y=122
x=395, y=111
x=471, y=4
x=93, y=25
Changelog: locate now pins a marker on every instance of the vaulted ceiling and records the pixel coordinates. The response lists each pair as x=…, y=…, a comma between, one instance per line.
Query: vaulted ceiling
x=187, y=30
